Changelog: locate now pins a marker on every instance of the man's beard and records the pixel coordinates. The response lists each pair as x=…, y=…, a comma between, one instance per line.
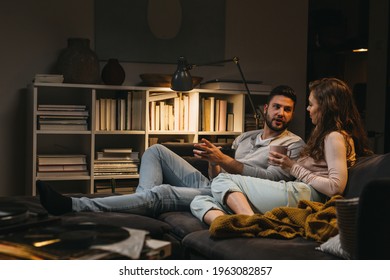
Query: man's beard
x=268, y=121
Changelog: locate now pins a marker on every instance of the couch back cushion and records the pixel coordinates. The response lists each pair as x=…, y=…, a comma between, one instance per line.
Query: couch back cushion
x=186, y=151
x=365, y=170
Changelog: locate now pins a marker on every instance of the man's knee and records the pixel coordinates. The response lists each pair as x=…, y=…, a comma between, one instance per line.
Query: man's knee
x=158, y=150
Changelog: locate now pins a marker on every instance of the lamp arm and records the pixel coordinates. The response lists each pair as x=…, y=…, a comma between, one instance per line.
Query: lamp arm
x=236, y=61
x=191, y=66
x=255, y=112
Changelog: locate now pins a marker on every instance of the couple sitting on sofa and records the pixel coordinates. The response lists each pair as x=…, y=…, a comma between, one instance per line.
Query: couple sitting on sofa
x=255, y=180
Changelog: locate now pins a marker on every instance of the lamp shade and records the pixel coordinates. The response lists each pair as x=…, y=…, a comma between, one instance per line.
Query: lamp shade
x=181, y=79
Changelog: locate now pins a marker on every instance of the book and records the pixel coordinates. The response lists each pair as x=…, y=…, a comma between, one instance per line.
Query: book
x=48, y=78
x=186, y=112
x=117, y=156
x=64, y=127
x=102, y=110
x=62, y=121
x=176, y=113
x=117, y=150
x=62, y=113
x=113, y=115
x=128, y=111
x=61, y=107
x=157, y=123
x=206, y=114
x=212, y=113
x=152, y=115
x=137, y=109
x=78, y=167
x=62, y=173
x=216, y=115
x=230, y=122
x=193, y=110
x=222, y=115
x=61, y=159
x=97, y=115
x=162, y=115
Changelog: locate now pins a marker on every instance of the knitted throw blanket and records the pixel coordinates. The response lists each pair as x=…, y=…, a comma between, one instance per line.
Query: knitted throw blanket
x=311, y=220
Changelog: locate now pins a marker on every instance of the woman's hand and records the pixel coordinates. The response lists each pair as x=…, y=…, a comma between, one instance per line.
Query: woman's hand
x=281, y=160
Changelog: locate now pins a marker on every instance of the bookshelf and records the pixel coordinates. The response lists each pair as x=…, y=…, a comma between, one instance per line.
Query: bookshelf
x=117, y=117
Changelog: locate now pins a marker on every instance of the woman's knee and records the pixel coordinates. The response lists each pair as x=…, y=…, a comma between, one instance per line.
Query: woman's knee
x=221, y=185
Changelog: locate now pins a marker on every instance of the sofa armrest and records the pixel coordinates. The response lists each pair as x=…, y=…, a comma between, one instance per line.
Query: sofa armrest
x=373, y=221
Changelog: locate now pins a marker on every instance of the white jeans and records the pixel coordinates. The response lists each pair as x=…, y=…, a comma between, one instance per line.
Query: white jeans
x=262, y=194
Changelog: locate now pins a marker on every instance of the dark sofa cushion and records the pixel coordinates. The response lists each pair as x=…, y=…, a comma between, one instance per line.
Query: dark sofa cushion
x=182, y=223
x=200, y=244
x=185, y=150
x=373, y=243
x=365, y=170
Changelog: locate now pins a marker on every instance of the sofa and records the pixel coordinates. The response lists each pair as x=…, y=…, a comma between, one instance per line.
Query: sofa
x=369, y=180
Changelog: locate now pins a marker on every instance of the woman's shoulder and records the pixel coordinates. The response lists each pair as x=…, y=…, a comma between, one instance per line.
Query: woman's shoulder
x=336, y=136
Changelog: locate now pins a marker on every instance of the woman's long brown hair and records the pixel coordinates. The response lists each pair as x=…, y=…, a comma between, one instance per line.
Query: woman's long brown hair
x=338, y=112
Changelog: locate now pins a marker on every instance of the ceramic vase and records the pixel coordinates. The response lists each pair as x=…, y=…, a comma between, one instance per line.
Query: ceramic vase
x=78, y=63
x=113, y=73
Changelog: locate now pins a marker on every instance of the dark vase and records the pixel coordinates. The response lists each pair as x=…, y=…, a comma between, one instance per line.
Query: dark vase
x=113, y=73
x=78, y=63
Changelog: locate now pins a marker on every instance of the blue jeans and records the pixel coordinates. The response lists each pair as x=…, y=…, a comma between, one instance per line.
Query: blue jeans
x=167, y=183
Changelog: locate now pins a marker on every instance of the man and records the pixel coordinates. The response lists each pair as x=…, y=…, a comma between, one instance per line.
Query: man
x=169, y=183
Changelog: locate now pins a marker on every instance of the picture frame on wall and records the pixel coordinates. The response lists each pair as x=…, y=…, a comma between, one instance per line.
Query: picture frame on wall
x=159, y=31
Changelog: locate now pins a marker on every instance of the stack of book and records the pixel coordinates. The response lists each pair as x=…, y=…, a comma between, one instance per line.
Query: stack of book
x=116, y=186
x=62, y=117
x=116, y=161
x=48, y=78
x=61, y=166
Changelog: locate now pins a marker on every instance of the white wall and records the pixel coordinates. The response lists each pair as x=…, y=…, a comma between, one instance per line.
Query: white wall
x=268, y=36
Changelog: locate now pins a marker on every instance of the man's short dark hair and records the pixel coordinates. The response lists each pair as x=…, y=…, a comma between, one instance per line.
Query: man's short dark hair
x=282, y=90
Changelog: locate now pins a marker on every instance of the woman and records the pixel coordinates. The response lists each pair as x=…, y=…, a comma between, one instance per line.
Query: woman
x=321, y=171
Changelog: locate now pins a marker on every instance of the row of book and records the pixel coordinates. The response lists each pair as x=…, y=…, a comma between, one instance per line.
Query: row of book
x=62, y=117
x=172, y=112
x=216, y=115
x=121, y=113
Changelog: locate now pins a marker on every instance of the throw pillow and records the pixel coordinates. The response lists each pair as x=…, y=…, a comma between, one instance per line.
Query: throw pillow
x=333, y=246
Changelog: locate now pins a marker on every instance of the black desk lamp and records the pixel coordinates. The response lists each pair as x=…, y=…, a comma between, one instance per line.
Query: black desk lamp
x=182, y=80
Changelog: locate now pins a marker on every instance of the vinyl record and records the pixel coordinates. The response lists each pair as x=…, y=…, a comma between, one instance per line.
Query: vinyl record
x=12, y=213
x=77, y=236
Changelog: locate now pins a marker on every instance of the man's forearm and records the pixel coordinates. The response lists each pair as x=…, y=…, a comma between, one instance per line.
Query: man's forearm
x=232, y=166
x=229, y=164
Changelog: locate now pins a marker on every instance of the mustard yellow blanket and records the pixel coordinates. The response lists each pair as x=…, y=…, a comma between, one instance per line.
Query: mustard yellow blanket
x=311, y=220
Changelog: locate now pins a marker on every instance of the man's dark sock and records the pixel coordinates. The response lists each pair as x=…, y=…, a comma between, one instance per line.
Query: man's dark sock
x=54, y=202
